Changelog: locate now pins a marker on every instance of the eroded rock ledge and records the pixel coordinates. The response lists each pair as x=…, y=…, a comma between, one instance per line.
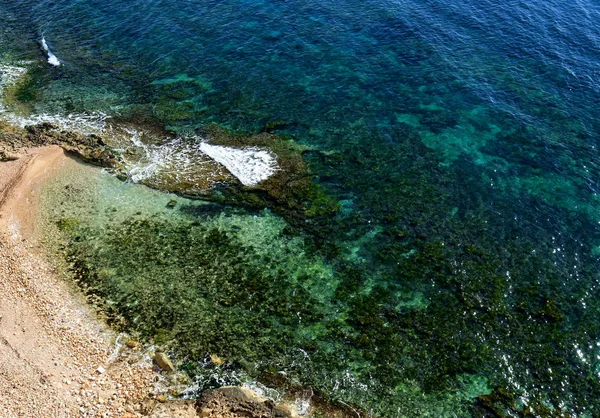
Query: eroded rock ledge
x=225, y=402
x=90, y=148
x=289, y=191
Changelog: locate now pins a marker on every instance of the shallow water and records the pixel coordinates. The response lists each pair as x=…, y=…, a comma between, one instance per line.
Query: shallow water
x=459, y=275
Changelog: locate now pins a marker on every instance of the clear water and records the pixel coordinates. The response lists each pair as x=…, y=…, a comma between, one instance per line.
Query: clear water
x=459, y=139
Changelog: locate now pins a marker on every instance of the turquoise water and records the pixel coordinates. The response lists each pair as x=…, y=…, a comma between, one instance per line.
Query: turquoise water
x=459, y=275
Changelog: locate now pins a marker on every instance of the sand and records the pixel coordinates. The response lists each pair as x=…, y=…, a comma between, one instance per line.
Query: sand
x=57, y=358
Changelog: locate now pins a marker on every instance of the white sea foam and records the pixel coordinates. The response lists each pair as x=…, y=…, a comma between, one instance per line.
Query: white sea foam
x=52, y=60
x=172, y=157
x=9, y=74
x=85, y=124
x=250, y=165
x=176, y=161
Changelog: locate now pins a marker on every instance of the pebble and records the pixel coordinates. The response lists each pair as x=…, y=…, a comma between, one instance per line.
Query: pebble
x=80, y=347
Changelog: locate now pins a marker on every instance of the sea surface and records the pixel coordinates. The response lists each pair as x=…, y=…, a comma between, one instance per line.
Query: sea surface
x=459, y=272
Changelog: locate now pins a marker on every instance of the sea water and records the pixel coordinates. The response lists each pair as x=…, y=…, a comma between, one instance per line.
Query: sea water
x=459, y=139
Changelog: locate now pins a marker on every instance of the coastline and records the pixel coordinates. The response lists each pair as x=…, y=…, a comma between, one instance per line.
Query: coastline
x=384, y=207
x=51, y=341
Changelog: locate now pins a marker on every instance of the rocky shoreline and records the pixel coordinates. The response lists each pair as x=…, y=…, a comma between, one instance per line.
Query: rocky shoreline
x=14, y=141
x=288, y=190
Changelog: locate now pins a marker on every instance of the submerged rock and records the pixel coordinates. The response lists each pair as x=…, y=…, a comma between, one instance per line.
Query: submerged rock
x=163, y=361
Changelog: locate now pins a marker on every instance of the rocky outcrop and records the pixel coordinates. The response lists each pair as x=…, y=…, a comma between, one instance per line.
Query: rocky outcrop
x=289, y=190
x=234, y=402
x=90, y=148
x=225, y=402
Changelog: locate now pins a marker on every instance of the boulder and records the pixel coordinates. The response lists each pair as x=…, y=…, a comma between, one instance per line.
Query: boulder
x=163, y=361
x=238, y=402
x=174, y=409
x=8, y=156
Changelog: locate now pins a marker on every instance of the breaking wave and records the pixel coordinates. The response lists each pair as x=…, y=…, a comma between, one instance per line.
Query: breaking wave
x=52, y=60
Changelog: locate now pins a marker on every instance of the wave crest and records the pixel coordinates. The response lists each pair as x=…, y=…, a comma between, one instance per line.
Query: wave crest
x=52, y=60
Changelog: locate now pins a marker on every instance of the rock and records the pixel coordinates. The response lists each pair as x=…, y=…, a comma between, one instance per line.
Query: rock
x=283, y=411
x=239, y=393
x=90, y=148
x=234, y=401
x=8, y=156
x=163, y=361
x=174, y=409
x=216, y=360
x=132, y=343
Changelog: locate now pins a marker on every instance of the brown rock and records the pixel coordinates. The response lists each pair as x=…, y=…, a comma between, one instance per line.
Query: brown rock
x=132, y=343
x=163, y=361
x=174, y=409
x=237, y=402
x=216, y=360
x=90, y=148
x=8, y=156
x=282, y=411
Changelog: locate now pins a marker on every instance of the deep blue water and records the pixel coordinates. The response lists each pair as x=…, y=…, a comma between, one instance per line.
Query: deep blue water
x=460, y=138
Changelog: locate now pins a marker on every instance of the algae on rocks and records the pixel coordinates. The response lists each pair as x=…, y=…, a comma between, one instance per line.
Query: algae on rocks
x=289, y=191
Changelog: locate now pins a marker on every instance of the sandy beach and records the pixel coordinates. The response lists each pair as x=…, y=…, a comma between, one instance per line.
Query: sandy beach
x=57, y=359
